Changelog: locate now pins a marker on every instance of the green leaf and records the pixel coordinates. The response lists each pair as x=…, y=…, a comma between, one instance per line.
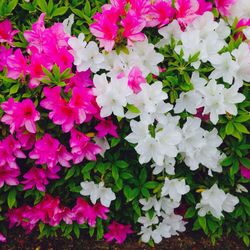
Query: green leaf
x=115, y=172
x=212, y=225
x=133, y=109
x=245, y=201
x=240, y=127
x=143, y=176
x=12, y=5
x=14, y=89
x=126, y=176
x=246, y=240
x=11, y=200
x=151, y=184
x=227, y=161
x=59, y=11
x=87, y=9
x=43, y=5
x=203, y=223
x=229, y=128
x=121, y=164
x=70, y=173
x=242, y=118
x=190, y=213
x=76, y=230
x=114, y=142
x=145, y=192
x=245, y=162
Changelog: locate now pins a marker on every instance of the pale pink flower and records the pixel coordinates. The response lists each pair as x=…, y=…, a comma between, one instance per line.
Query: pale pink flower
x=4, y=54
x=135, y=79
x=118, y=232
x=9, y=176
x=133, y=26
x=106, y=127
x=16, y=65
x=82, y=147
x=35, y=177
x=224, y=6
x=105, y=28
x=6, y=32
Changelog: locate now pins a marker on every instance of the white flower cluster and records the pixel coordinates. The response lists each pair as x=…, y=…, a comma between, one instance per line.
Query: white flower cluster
x=215, y=201
x=215, y=98
x=97, y=191
x=164, y=223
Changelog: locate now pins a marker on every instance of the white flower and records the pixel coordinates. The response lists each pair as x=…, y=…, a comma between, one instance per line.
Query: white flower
x=224, y=66
x=240, y=9
x=240, y=188
x=97, y=191
x=174, y=188
x=67, y=24
x=103, y=143
x=91, y=58
x=167, y=166
x=150, y=100
x=148, y=221
x=175, y=222
x=77, y=44
x=242, y=57
x=111, y=96
x=172, y=30
x=214, y=200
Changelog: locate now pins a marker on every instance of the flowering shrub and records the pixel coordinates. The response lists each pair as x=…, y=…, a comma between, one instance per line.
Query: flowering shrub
x=128, y=117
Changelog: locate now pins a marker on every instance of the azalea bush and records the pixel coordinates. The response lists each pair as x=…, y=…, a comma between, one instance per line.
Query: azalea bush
x=127, y=117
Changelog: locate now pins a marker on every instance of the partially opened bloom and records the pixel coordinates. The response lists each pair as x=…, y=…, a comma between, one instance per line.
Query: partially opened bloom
x=118, y=232
x=6, y=32
x=106, y=127
x=135, y=79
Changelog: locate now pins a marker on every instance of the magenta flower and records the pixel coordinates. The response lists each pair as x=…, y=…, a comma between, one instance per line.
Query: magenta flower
x=81, y=147
x=63, y=59
x=2, y=238
x=224, y=6
x=101, y=211
x=6, y=32
x=105, y=28
x=35, y=177
x=245, y=172
x=66, y=215
x=163, y=13
x=133, y=25
x=82, y=103
x=61, y=113
x=106, y=127
x=20, y=115
x=49, y=151
x=203, y=117
x=9, y=176
x=4, y=54
x=26, y=139
x=135, y=79
x=118, y=232
x=16, y=65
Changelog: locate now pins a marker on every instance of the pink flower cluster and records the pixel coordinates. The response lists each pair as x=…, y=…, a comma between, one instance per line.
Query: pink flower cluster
x=127, y=18
x=51, y=212
x=47, y=46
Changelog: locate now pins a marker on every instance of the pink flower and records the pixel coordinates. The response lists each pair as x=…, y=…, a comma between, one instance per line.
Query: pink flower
x=17, y=65
x=35, y=35
x=4, y=54
x=35, y=177
x=80, y=79
x=35, y=68
x=204, y=6
x=6, y=32
x=65, y=214
x=223, y=6
x=135, y=79
x=105, y=28
x=133, y=25
x=26, y=139
x=82, y=103
x=9, y=175
x=106, y=127
x=20, y=115
x=245, y=172
x=61, y=113
x=101, y=211
x=2, y=238
x=49, y=151
x=163, y=13
x=81, y=147
x=118, y=232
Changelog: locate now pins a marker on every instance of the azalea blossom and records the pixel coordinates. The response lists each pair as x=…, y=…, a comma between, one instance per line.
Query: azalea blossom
x=6, y=32
x=118, y=232
x=97, y=191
